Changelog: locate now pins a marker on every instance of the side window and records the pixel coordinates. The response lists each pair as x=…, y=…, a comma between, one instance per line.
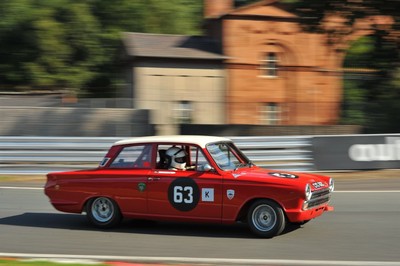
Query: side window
x=133, y=157
x=162, y=159
x=194, y=158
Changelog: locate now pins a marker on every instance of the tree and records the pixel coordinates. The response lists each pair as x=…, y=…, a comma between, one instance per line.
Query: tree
x=372, y=100
x=150, y=16
x=74, y=45
x=48, y=44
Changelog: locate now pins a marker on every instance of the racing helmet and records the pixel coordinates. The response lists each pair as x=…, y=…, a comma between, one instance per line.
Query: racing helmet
x=176, y=157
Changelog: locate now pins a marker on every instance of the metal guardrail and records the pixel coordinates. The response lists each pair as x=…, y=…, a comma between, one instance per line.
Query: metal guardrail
x=40, y=155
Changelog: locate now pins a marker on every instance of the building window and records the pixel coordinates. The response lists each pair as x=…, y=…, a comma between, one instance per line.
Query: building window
x=270, y=114
x=183, y=112
x=269, y=65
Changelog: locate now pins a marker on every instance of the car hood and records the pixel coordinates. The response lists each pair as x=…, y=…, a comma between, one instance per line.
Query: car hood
x=256, y=174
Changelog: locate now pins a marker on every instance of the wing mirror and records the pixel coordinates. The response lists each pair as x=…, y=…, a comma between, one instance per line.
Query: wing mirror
x=208, y=168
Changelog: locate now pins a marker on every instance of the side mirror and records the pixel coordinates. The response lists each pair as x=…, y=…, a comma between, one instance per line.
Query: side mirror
x=207, y=168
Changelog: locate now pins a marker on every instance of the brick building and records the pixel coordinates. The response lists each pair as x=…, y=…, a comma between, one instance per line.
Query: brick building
x=276, y=72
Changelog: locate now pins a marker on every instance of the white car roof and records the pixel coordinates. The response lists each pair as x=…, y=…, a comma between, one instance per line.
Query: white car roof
x=202, y=141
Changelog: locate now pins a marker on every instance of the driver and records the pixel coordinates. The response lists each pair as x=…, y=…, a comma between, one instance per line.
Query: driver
x=177, y=158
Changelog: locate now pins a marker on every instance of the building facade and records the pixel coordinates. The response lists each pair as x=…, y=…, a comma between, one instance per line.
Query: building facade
x=180, y=79
x=277, y=74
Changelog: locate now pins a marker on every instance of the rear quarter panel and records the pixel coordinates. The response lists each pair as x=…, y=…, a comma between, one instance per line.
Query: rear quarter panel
x=69, y=191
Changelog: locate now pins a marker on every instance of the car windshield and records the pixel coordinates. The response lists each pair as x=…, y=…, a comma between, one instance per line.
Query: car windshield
x=227, y=156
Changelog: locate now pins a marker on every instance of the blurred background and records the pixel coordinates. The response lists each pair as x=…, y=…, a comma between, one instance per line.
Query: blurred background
x=218, y=67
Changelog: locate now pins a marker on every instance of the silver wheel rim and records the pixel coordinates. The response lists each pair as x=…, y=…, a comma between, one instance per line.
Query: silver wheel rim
x=102, y=209
x=264, y=218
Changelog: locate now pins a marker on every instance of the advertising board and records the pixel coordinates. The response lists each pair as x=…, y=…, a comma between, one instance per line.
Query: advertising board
x=358, y=152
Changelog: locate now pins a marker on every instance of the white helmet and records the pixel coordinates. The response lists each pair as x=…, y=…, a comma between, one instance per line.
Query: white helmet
x=177, y=158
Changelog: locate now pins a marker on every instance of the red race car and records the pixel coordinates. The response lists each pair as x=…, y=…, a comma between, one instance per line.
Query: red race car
x=189, y=178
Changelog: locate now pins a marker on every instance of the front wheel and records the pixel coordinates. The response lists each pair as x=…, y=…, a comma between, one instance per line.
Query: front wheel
x=266, y=218
x=103, y=212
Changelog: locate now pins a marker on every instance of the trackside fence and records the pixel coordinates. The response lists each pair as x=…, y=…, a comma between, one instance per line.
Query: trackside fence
x=40, y=155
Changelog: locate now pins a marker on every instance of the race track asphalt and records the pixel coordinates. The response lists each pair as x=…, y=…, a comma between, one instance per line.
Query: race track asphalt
x=363, y=229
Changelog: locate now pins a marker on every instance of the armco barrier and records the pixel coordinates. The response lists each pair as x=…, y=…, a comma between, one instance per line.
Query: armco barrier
x=40, y=155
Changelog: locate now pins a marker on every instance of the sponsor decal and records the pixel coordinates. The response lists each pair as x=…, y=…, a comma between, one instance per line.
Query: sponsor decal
x=230, y=193
x=183, y=194
x=141, y=187
x=390, y=151
x=207, y=194
x=283, y=175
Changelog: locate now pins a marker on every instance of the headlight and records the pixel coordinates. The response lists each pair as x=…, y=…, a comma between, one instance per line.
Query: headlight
x=331, y=185
x=308, y=193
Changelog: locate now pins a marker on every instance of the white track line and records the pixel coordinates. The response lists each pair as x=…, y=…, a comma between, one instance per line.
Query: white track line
x=212, y=261
x=23, y=188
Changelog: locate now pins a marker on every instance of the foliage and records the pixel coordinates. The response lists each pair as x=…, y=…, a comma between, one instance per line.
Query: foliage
x=151, y=16
x=39, y=263
x=369, y=99
x=73, y=45
x=48, y=44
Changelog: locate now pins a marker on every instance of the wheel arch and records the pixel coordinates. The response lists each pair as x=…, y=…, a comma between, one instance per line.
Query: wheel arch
x=94, y=196
x=242, y=214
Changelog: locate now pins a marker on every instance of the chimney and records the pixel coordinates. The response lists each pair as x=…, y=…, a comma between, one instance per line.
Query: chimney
x=216, y=8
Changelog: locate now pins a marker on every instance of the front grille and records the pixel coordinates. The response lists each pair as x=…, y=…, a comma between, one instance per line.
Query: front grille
x=320, y=193
x=319, y=197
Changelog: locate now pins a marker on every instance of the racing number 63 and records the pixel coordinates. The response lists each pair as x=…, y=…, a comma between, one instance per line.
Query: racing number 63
x=183, y=194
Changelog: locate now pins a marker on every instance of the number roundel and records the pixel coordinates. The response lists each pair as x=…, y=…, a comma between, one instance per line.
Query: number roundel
x=183, y=194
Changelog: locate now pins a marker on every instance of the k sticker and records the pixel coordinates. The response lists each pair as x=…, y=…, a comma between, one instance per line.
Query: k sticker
x=207, y=194
x=183, y=194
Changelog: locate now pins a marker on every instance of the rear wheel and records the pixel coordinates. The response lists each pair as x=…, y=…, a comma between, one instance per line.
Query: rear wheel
x=103, y=212
x=266, y=218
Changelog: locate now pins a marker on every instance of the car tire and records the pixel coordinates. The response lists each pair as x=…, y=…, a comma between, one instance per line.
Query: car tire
x=266, y=218
x=103, y=212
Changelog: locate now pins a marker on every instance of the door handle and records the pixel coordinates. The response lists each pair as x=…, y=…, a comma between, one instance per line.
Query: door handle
x=153, y=178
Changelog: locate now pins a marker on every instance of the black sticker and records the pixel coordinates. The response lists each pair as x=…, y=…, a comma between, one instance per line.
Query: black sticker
x=283, y=175
x=183, y=194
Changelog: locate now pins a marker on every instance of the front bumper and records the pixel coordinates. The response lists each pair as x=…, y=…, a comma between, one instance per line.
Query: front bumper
x=304, y=215
x=312, y=208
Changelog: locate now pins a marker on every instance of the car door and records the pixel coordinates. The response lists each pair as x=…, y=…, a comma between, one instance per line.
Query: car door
x=126, y=178
x=193, y=194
